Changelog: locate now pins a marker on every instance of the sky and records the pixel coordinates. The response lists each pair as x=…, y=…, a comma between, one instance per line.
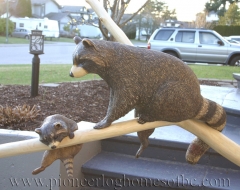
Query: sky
x=186, y=9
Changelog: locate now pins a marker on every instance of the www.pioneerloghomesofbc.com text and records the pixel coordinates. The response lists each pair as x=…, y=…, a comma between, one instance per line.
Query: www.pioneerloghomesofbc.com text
x=118, y=183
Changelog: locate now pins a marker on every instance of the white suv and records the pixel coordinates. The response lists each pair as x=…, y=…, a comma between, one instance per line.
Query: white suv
x=195, y=45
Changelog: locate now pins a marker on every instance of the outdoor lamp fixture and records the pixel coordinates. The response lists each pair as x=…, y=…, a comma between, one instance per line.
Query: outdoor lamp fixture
x=36, y=48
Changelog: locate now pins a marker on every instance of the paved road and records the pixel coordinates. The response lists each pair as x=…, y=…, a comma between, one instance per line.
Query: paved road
x=54, y=53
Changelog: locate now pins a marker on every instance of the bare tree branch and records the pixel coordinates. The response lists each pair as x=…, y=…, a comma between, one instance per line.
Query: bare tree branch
x=117, y=9
x=114, y=8
x=103, y=30
x=133, y=15
x=121, y=12
x=106, y=3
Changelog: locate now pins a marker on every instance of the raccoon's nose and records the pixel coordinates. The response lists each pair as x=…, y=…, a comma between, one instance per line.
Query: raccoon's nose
x=53, y=147
x=71, y=74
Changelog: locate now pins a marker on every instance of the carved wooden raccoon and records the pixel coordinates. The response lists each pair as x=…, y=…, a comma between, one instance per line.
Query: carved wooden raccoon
x=159, y=86
x=53, y=130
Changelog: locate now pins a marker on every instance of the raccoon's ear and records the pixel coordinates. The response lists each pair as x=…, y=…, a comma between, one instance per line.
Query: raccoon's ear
x=77, y=40
x=57, y=125
x=88, y=43
x=38, y=131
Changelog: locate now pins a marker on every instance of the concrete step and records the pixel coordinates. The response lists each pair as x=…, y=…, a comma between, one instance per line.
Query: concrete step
x=170, y=144
x=162, y=165
x=109, y=170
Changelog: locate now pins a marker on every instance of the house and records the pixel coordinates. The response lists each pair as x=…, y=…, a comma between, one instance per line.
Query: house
x=63, y=14
x=212, y=16
x=40, y=8
x=11, y=7
x=81, y=14
x=83, y=19
x=62, y=18
x=173, y=23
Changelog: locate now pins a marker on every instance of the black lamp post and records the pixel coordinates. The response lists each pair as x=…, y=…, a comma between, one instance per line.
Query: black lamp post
x=36, y=48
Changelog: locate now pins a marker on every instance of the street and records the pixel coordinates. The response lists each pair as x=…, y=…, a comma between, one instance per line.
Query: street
x=54, y=53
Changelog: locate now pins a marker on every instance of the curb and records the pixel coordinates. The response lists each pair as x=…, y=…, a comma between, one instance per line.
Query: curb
x=222, y=83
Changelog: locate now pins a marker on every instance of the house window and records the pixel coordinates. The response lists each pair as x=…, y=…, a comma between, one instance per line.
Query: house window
x=45, y=26
x=21, y=24
x=40, y=24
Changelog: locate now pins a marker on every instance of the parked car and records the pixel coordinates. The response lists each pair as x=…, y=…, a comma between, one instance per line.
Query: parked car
x=234, y=41
x=237, y=38
x=66, y=34
x=20, y=33
x=195, y=45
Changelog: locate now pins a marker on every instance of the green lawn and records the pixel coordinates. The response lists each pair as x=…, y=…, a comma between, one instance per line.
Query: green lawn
x=21, y=74
x=215, y=72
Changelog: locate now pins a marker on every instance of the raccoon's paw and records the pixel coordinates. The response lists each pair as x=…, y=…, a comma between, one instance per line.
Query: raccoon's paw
x=71, y=135
x=143, y=137
x=102, y=124
x=38, y=170
x=141, y=121
x=143, y=118
x=139, y=152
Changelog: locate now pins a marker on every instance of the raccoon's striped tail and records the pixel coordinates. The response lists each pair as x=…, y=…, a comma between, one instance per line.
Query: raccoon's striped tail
x=68, y=164
x=213, y=115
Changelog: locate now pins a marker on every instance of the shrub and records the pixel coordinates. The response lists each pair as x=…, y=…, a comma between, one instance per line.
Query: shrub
x=225, y=30
x=130, y=31
x=3, y=26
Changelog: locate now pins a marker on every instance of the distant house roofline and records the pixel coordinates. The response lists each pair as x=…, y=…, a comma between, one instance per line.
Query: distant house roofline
x=40, y=2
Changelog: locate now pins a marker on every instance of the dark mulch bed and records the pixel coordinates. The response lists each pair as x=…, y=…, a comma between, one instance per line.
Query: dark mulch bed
x=80, y=101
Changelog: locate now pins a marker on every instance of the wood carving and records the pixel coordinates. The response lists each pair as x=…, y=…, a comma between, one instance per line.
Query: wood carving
x=159, y=86
x=53, y=130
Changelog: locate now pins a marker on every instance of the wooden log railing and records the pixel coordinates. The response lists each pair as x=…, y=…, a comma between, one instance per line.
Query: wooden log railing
x=86, y=133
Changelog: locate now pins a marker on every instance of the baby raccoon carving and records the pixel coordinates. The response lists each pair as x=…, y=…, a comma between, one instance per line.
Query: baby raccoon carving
x=53, y=130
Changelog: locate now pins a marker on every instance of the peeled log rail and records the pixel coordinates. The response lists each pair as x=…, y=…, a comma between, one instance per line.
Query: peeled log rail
x=86, y=133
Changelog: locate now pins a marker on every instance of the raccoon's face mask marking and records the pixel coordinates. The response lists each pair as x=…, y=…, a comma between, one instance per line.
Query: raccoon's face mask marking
x=55, y=128
x=58, y=133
